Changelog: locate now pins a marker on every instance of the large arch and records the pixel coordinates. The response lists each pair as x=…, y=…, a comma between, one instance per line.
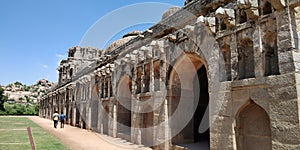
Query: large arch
x=253, y=131
x=189, y=83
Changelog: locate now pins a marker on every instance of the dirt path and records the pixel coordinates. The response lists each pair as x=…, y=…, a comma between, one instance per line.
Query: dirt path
x=79, y=139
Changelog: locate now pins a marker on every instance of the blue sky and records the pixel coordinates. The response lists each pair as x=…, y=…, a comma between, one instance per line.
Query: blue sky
x=35, y=35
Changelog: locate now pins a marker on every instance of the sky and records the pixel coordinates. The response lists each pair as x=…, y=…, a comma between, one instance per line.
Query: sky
x=35, y=35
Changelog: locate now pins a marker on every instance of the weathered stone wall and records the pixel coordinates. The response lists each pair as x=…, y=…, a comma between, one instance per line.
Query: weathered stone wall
x=247, y=51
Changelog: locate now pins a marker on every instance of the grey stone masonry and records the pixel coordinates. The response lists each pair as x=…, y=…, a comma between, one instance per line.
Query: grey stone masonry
x=220, y=75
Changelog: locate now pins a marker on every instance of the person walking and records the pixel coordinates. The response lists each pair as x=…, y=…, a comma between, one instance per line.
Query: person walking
x=55, y=118
x=62, y=120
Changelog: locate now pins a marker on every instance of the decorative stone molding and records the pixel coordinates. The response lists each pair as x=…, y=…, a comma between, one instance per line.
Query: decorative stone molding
x=208, y=21
x=227, y=14
x=250, y=7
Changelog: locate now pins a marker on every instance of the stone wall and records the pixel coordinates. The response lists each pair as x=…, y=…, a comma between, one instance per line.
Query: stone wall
x=223, y=75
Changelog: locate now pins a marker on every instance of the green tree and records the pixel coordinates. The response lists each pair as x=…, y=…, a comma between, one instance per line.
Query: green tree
x=18, y=83
x=2, y=99
x=26, y=88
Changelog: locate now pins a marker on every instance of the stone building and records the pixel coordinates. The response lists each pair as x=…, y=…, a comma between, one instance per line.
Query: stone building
x=214, y=74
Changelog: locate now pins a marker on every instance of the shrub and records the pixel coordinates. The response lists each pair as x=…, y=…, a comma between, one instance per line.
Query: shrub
x=20, y=109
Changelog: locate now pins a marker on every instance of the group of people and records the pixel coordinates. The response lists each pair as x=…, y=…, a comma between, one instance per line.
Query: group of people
x=59, y=117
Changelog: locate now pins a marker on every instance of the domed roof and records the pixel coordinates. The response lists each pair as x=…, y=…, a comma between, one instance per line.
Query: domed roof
x=127, y=37
x=170, y=12
x=133, y=33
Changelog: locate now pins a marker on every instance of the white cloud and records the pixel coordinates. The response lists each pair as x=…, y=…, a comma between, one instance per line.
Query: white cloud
x=45, y=66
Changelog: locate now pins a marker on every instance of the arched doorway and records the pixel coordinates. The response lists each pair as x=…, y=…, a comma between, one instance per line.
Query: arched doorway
x=124, y=107
x=253, y=130
x=189, y=83
x=203, y=99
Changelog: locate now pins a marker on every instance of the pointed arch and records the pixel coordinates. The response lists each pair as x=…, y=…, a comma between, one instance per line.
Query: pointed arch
x=253, y=129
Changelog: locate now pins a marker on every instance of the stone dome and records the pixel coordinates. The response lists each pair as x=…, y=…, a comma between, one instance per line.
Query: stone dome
x=127, y=37
x=133, y=33
x=170, y=12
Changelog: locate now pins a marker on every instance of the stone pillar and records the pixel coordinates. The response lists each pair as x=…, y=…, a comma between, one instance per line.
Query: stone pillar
x=74, y=106
x=136, y=117
x=134, y=80
x=234, y=58
x=143, y=79
x=80, y=101
x=65, y=102
x=100, y=115
x=163, y=71
x=257, y=52
x=104, y=88
x=151, y=87
x=89, y=105
x=108, y=86
x=50, y=105
x=285, y=41
x=112, y=120
x=74, y=113
x=69, y=106
x=162, y=134
x=115, y=120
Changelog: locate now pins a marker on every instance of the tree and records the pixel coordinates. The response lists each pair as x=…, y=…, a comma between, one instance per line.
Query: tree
x=2, y=99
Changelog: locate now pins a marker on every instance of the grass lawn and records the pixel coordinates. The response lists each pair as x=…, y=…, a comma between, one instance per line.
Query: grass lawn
x=14, y=135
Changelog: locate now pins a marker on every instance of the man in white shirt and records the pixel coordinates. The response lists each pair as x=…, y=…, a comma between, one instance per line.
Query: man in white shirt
x=55, y=118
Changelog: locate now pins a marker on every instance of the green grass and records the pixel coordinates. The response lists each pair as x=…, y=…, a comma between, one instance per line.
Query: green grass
x=14, y=136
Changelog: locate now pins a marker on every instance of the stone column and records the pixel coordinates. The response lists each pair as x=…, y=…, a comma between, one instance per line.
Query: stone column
x=285, y=41
x=234, y=58
x=100, y=115
x=104, y=88
x=50, y=106
x=74, y=113
x=135, y=119
x=151, y=86
x=163, y=71
x=112, y=120
x=74, y=105
x=80, y=101
x=65, y=104
x=257, y=52
x=108, y=86
x=143, y=79
x=89, y=103
x=134, y=80
x=69, y=105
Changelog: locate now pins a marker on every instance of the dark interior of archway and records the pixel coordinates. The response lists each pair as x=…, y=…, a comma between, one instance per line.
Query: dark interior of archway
x=124, y=112
x=124, y=119
x=201, y=88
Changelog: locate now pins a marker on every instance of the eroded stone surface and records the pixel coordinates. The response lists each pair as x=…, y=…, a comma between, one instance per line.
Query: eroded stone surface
x=235, y=61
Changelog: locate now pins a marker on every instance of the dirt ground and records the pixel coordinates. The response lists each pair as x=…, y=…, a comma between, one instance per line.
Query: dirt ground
x=79, y=139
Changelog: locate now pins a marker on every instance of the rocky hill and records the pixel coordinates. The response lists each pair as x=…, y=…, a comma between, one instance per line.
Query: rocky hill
x=21, y=93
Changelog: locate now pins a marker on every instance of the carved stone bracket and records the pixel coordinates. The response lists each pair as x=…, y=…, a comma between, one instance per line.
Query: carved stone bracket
x=208, y=21
x=250, y=7
x=227, y=15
